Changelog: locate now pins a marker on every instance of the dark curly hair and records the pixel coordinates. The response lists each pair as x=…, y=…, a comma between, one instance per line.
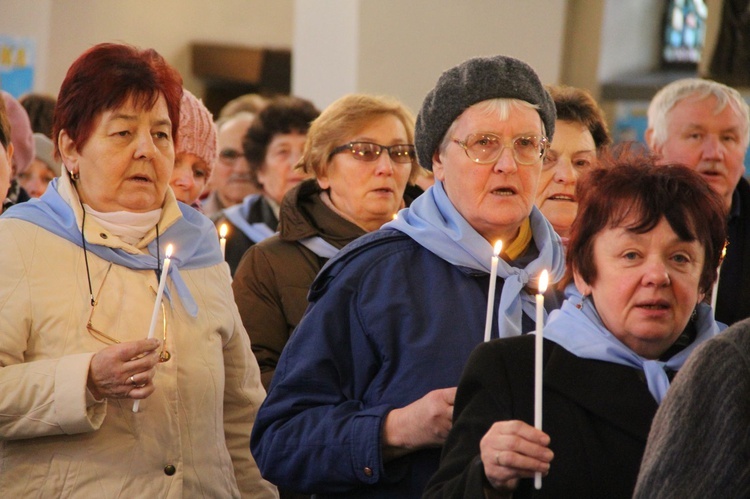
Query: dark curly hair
x=577, y=105
x=282, y=115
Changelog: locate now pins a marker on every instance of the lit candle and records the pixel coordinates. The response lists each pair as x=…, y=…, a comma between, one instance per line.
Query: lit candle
x=223, y=239
x=538, y=362
x=491, y=294
x=157, y=303
x=715, y=291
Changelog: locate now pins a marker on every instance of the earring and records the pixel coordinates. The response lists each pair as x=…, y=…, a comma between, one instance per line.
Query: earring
x=694, y=314
x=74, y=175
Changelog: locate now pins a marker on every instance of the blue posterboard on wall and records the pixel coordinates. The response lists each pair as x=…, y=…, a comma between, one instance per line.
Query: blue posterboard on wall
x=631, y=122
x=17, y=61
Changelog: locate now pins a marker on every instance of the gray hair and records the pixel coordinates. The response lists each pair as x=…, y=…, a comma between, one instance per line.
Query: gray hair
x=487, y=107
x=666, y=98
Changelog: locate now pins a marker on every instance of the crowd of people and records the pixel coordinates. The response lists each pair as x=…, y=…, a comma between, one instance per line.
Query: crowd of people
x=282, y=301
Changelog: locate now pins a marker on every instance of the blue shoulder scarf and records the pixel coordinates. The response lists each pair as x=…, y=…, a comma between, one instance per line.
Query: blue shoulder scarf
x=238, y=215
x=193, y=235
x=434, y=223
x=581, y=332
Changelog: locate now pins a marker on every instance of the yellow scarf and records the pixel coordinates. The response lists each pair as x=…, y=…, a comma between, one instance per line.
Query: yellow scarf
x=520, y=243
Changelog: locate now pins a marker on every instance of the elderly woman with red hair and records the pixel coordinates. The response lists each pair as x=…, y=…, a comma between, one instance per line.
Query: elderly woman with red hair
x=643, y=252
x=77, y=298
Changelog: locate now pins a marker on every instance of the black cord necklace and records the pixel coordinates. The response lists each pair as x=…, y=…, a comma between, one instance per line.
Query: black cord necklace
x=86, y=257
x=164, y=356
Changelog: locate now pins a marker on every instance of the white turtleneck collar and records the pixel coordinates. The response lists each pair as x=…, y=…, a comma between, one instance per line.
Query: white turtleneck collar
x=129, y=226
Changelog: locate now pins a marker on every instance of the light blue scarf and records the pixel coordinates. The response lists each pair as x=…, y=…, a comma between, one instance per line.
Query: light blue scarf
x=193, y=235
x=238, y=215
x=434, y=223
x=319, y=246
x=581, y=332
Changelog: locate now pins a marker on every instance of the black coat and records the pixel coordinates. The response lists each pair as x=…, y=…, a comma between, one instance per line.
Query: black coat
x=733, y=300
x=596, y=413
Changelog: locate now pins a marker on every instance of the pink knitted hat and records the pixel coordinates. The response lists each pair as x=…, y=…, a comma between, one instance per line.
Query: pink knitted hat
x=21, y=135
x=197, y=134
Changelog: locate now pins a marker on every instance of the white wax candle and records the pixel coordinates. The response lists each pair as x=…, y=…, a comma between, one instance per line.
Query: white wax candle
x=491, y=295
x=715, y=291
x=538, y=362
x=223, y=239
x=157, y=304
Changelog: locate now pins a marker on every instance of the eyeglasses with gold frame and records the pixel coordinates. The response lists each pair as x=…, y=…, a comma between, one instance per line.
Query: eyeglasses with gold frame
x=103, y=337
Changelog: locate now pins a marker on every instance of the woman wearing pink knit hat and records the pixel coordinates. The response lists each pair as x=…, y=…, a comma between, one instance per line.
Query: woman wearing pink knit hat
x=195, y=152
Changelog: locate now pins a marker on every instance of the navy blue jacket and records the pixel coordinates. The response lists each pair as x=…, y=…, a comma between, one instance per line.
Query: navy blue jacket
x=388, y=322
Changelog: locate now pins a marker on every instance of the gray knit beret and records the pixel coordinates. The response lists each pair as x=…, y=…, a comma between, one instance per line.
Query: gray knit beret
x=476, y=80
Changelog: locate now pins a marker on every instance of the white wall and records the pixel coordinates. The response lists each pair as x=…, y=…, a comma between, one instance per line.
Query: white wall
x=395, y=47
x=65, y=28
x=326, y=49
x=630, y=38
x=406, y=45
x=400, y=48
x=30, y=19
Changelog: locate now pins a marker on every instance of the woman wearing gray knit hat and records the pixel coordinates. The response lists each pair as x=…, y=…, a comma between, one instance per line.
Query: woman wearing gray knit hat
x=363, y=394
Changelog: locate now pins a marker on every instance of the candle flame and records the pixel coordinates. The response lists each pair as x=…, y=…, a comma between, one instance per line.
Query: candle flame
x=223, y=231
x=169, y=251
x=498, y=248
x=543, y=281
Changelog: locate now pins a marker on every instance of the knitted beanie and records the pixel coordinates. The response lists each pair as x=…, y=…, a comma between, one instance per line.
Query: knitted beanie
x=21, y=135
x=197, y=133
x=476, y=80
x=45, y=152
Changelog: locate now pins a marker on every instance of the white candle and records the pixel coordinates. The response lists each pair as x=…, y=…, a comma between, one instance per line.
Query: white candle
x=715, y=291
x=223, y=239
x=538, y=362
x=157, y=304
x=491, y=295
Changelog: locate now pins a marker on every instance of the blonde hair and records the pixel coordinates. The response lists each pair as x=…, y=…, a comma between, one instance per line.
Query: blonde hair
x=343, y=118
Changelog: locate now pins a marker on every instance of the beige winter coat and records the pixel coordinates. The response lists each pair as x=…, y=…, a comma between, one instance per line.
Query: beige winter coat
x=55, y=439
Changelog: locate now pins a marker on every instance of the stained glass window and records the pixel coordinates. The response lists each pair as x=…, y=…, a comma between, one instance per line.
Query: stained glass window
x=684, y=32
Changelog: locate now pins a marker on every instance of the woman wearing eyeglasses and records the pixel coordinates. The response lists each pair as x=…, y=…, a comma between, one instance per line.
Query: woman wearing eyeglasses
x=272, y=146
x=81, y=266
x=362, y=396
x=361, y=151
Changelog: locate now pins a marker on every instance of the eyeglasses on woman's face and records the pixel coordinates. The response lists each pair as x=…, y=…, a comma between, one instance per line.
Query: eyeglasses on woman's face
x=369, y=151
x=486, y=148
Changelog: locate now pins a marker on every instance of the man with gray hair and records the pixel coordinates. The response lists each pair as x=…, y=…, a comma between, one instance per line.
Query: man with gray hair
x=705, y=125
